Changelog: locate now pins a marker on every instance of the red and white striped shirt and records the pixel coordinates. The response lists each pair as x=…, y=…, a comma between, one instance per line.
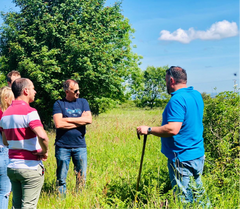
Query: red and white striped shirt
x=18, y=121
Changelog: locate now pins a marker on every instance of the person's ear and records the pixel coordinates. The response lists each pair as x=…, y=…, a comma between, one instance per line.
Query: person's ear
x=172, y=80
x=25, y=91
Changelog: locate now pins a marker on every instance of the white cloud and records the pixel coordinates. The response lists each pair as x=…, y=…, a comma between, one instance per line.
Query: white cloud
x=218, y=30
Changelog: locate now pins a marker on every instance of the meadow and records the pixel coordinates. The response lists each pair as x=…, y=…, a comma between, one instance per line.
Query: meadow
x=114, y=154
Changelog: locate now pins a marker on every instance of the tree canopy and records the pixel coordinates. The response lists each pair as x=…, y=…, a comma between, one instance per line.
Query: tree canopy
x=51, y=41
x=150, y=87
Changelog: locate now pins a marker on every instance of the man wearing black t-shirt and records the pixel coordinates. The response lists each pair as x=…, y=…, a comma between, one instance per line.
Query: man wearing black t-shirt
x=71, y=115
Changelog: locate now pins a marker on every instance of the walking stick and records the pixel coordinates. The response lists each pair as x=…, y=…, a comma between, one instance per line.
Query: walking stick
x=143, y=151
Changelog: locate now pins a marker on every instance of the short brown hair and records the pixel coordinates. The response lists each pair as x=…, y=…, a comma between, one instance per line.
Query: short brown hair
x=10, y=74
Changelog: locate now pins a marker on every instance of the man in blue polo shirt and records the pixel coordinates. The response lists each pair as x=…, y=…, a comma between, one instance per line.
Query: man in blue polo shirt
x=182, y=136
x=71, y=115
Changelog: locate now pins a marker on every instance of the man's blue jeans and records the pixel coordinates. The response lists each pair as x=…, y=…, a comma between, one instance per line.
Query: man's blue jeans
x=63, y=157
x=186, y=180
x=5, y=185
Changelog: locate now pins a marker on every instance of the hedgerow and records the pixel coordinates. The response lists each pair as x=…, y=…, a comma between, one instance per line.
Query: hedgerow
x=221, y=135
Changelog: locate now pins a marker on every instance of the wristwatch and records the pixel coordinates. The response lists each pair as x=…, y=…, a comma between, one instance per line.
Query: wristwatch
x=149, y=130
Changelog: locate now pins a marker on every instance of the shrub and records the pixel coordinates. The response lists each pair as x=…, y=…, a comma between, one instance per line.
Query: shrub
x=221, y=135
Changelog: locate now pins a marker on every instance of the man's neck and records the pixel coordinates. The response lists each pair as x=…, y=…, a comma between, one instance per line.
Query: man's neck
x=22, y=98
x=180, y=86
x=70, y=99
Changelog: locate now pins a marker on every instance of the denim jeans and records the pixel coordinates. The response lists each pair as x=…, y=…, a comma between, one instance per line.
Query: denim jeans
x=26, y=186
x=186, y=180
x=5, y=185
x=63, y=157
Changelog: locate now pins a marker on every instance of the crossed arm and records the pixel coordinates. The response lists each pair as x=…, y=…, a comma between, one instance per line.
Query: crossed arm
x=72, y=122
x=167, y=130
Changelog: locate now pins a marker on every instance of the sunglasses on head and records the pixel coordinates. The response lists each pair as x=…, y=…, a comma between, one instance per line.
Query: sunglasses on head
x=170, y=71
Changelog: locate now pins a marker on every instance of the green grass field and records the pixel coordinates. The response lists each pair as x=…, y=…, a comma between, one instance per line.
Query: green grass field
x=114, y=154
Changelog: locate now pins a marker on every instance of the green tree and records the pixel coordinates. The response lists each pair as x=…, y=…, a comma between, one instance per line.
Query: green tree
x=150, y=87
x=3, y=81
x=51, y=41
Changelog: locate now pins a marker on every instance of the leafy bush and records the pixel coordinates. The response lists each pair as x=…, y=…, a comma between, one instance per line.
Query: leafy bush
x=221, y=134
x=156, y=103
x=128, y=104
x=205, y=96
x=101, y=105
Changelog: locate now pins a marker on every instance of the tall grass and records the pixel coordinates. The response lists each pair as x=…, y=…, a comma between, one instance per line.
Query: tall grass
x=114, y=154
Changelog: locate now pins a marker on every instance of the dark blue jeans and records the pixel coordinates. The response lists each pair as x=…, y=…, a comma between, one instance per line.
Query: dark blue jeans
x=186, y=180
x=5, y=185
x=63, y=157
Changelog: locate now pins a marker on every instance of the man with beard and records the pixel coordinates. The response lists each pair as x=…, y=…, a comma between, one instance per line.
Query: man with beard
x=182, y=136
x=71, y=115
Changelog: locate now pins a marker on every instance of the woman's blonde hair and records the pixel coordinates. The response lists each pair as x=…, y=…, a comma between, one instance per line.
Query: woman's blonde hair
x=6, y=97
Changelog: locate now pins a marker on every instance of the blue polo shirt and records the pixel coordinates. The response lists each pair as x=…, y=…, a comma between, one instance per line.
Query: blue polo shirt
x=186, y=106
x=71, y=138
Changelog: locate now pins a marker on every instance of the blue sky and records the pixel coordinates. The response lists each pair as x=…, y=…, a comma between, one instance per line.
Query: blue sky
x=200, y=36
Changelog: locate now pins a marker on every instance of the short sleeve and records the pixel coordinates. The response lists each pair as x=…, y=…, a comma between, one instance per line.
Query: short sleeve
x=34, y=119
x=86, y=105
x=176, y=110
x=57, y=108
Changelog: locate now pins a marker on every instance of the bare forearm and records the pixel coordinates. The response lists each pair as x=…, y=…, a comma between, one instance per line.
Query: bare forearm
x=42, y=138
x=72, y=122
x=167, y=130
x=84, y=120
x=64, y=124
x=162, y=131
x=44, y=144
x=4, y=139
